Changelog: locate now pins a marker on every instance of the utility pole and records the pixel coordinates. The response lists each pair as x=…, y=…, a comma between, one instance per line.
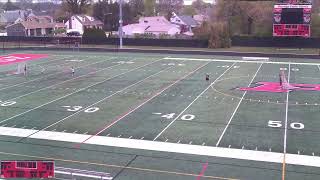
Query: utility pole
x=120, y=24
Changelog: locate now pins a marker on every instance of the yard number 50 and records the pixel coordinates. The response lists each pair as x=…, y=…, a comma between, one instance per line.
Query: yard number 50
x=278, y=124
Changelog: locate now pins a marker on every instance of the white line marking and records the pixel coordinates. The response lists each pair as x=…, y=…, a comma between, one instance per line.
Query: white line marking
x=255, y=58
x=81, y=89
x=191, y=103
x=157, y=113
x=234, y=112
x=263, y=156
x=286, y=121
x=241, y=61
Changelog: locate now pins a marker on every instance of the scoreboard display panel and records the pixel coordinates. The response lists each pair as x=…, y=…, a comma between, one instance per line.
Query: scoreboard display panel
x=292, y=20
x=27, y=169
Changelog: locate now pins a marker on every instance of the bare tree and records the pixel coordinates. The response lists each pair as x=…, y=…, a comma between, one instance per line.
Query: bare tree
x=77, y=6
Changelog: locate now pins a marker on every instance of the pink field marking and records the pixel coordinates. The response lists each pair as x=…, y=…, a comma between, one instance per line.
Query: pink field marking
x=117, y=119
x=275, y=87
x=204, y=168
x=15, y=58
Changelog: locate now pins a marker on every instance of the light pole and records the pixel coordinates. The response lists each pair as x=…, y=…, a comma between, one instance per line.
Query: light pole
x=120, y=24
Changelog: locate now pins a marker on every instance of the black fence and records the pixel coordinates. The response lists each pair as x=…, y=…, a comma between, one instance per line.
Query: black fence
x=284, y=42
x=18, y=41
x=42, y=41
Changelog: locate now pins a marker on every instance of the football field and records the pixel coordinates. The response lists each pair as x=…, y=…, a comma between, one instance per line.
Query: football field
x=154, y=116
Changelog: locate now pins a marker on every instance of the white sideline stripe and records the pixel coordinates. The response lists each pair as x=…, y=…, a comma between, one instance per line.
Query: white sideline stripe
x=81, y=89
x=226, y=60
x=252, y=155
x=82, y=175
x=234, y=112
x=255, y=58
x=193, y=102
x=50, y=75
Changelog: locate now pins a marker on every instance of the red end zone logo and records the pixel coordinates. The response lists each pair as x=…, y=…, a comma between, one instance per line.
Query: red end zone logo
x=15, y=58
x=275, y=87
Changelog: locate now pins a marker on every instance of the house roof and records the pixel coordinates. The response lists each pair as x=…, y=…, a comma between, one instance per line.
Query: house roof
x=150, y=27
x=154, y=20
x=188, y=20
x=11, y=16
x=34, y=24
x=88, y=20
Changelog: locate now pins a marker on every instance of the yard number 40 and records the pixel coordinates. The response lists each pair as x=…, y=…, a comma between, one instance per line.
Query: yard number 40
x=278, y=124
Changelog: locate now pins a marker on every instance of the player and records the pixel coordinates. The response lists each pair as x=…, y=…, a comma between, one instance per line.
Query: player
x=207, y=77
x=72, y=71
x=25, y=70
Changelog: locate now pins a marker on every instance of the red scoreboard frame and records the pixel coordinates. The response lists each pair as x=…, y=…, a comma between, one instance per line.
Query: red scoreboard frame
x=27, y=169
x=298, y=29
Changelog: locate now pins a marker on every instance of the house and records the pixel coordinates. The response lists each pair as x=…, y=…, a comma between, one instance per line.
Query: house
x=11, y=17
x=81, y=22
x=186, y=23
x=34, y=26
x=151, y=25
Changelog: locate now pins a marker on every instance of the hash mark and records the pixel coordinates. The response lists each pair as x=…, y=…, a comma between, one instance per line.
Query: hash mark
x=142, y=138
x=229, y=146
x=108, y=134
x=130, y=137
x=166, y=140
x=203, y=144
x=178, y=142
x=190, y=142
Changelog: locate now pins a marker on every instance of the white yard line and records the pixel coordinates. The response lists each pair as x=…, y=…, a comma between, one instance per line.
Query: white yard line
x=284, y=159
x=7, y=87
x=226, y=60
x=117, y=92
x=81, y=89
x=192, y=102
x=234, y=112
x=286, y=118
x=252, y=155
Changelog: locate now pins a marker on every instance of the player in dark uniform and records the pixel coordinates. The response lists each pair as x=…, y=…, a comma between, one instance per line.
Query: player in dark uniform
x=207, y=77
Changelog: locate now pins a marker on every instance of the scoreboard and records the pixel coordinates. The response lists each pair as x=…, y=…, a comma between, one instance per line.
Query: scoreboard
x=27, y=169
x=292, y=20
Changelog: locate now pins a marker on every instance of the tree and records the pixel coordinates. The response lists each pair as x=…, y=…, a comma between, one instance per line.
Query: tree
x=77, y=6
x=137, y=7
x=9, y=6
x=200, y=5
x=149, y=7
x=167, y=7
x=189, y=10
